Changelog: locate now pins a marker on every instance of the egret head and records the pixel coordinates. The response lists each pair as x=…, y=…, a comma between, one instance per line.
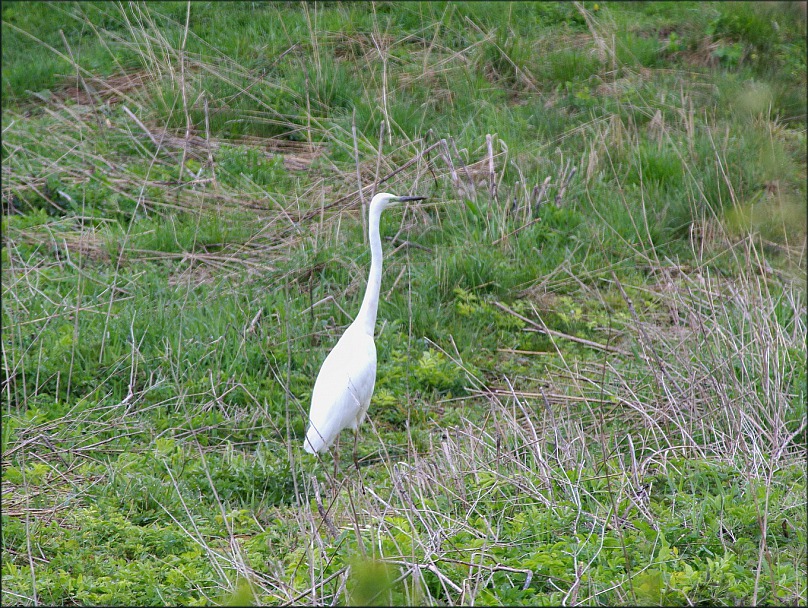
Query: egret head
x=384, y=199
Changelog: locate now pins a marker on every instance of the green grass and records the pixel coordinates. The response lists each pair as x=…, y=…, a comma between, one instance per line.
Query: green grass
x=595, y=399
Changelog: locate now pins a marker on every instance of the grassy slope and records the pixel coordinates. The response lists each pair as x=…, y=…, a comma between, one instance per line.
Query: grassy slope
x=168, y=297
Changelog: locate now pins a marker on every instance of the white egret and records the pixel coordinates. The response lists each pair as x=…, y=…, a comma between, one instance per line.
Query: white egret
x=345, y=383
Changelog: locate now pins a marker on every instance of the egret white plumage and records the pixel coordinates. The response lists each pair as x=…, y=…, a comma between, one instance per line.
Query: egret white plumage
x=345, y=383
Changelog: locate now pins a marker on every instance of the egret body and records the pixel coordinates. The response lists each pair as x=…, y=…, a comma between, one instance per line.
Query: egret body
x=345, y=383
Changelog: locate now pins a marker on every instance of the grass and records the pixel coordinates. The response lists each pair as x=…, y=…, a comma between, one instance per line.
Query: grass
x=591, y=383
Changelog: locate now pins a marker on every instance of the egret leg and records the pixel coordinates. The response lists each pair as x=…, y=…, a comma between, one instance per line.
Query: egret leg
x=355, y=460
x=336, y=457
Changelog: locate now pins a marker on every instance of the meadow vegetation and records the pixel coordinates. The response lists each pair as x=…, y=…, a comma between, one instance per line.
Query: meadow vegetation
x=592, y=335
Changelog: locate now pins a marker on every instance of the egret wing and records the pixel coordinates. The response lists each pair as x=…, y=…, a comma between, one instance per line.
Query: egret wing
x=343, y=388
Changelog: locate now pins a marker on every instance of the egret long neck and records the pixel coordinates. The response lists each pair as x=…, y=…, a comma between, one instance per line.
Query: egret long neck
x=370, y=303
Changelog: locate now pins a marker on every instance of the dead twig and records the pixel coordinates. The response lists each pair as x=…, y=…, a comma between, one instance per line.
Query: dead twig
x=142, y=126
x=448, y=158
x=564, y=183
x=472, y=190
x=492, y=176
x=538, y=196
x=211, y=162
x=332, y=530
x=379, y=159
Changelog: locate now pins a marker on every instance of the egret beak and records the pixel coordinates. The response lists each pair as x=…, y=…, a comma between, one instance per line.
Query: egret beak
x=404, y=199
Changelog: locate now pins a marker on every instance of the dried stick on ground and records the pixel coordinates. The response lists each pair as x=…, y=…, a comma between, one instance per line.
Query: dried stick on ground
x=448, y=157
x=538, y=198
x=472, y=190
x=492, y=176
